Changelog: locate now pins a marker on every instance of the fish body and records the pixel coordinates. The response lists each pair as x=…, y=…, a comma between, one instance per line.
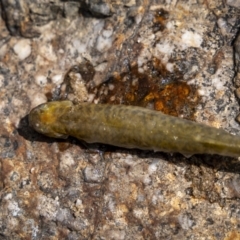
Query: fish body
x=131, y=127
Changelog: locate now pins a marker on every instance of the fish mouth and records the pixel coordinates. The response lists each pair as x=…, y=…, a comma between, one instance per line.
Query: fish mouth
x=45, y=118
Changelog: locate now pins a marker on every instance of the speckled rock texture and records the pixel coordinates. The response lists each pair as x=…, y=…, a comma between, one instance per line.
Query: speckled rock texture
x=180, y=57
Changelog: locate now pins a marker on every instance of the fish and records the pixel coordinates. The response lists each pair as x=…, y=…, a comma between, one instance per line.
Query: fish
x=131, y=127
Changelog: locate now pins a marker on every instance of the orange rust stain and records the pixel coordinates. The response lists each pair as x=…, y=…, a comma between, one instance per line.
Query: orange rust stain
x=155, y=87
x=130, y=97
x=174, y=95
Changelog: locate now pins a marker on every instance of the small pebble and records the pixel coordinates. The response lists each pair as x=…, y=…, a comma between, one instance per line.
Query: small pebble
x=22, y=48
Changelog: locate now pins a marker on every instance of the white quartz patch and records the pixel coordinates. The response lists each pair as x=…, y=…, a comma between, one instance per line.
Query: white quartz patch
x=104, y=41
x=41, y=80
x=22, y=48
x=170, y=67
x=66, y=161
x=14, y=208
x=165, y=48
x=57, y=79
x=153, y=167
x=103, y=44
x=191, y=39
x=217, y=82
x=80, y=46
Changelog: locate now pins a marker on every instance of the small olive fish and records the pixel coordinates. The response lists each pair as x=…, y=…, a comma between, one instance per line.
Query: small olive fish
x=131, y=127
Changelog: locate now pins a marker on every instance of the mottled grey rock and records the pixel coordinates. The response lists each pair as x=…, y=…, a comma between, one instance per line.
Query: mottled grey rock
x=233, y=3
x=15, y=13
x=149, y=52
x=71, y=9
x=99, y=8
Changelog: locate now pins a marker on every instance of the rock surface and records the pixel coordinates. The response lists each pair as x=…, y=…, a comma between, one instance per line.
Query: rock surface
x=178, y=57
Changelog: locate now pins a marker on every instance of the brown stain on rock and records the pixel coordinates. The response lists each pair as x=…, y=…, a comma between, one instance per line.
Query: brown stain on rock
x=155, y=88
x=159, y=20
